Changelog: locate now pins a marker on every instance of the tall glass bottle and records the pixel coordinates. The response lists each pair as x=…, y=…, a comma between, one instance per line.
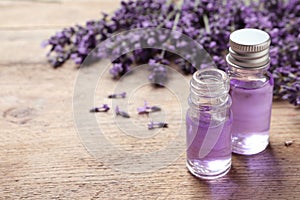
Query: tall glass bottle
x=208, y=123
x=251, y=89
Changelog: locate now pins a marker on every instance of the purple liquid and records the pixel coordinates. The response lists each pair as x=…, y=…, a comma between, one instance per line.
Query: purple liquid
x=208, y=148
x=251, y=108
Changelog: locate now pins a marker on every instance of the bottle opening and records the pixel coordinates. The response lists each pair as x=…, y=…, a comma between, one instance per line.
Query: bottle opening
x=210, y=82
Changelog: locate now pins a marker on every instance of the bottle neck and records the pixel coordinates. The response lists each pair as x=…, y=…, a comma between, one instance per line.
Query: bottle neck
x=248, y=60
x=209, y=90
x=249, y=77
x=248, y=72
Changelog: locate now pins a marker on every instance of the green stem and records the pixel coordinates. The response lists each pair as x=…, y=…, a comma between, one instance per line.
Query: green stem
x=197, y=2
x=176, y=20
x=206, y=23
x=170, y=15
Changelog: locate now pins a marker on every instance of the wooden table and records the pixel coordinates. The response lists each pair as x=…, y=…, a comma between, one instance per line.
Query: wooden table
x=42, y=156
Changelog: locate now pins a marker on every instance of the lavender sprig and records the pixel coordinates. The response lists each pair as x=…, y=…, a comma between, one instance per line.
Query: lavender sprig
x=292, y=93
x=103, y=108
x=159, y=72
x=153, y=125
x=207, y=22
x=146, y=109
x=115, y=96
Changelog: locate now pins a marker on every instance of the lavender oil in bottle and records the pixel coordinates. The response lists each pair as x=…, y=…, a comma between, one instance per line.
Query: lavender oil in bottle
x=251, y=90
x=208, y=123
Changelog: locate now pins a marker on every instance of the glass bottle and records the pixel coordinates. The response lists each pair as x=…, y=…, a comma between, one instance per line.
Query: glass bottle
x=251, y=90
x=208, y=124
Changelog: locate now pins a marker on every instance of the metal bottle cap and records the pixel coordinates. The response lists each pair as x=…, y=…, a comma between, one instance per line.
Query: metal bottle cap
x=249, y=48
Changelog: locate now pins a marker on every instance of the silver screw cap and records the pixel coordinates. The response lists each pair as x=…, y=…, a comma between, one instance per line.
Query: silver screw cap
x=249, y=48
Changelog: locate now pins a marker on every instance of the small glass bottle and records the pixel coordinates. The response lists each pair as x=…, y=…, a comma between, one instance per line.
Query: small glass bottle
x=251, y=90
x=208, y=124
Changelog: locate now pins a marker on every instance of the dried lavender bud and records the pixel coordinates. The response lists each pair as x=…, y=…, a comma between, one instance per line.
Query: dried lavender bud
x=155, y=109
x=148, y=109
x=103, y=108
x=288, y=143
x=114, y=96
x=121, y=113
x=153, y=125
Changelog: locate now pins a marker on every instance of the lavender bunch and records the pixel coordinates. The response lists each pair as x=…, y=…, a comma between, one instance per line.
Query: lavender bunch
x=209, y=22
x=158, y=70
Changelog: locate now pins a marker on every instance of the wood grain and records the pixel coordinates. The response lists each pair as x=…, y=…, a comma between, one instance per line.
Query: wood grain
x=42, y=14
x=42, y=156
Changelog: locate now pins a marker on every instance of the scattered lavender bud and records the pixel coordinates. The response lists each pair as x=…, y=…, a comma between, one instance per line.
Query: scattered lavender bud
x=148, y=109
x=153, y=125
x=155, y=109
x=288, y=143
x=120, y=95
x=121, y=113
x=103, y=108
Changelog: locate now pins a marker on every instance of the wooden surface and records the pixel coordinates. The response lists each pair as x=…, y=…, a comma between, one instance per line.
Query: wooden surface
x=41, y=154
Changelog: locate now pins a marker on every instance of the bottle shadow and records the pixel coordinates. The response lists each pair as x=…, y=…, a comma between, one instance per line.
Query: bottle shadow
x=250, y=176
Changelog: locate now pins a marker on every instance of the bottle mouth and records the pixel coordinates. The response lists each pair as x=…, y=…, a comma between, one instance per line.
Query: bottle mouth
x=210, y=82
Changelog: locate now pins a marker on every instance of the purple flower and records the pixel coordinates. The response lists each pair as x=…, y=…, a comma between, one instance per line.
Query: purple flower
x=121, y=113
x=153, y=125
x=146, y=109
x=162, y=38
x=292, y=93
x=116, y=69
x=159, y=72
x=120, y=66
x=146, y=23
x=208, y=22
x=151, y=41
x=103, y=108
x=120, y=95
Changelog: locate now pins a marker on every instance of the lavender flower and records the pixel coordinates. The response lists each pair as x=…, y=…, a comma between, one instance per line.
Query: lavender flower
x=146, y=109
x=120, y=95
x=159, y=72
x=292, y=93
x=103, y=108
x=153, y=125
x=121, y=66
x=288, y=143
x=121, y=113
x=207, y=22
